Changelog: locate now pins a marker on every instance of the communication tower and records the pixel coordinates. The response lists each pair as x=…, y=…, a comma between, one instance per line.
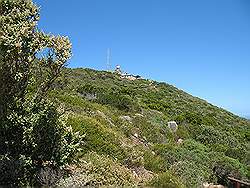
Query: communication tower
x=108, y=59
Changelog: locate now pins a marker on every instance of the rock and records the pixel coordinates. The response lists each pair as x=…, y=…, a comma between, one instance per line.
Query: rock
x=141, y=174
x=179, y=141
x=126, y=118
x=139, y=115
x=90, y=96
x=210, y=185
x=173, y=126
x=136, y=135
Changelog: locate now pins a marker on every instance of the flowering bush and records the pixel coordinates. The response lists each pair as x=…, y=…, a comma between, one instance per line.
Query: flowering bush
x=32, y=132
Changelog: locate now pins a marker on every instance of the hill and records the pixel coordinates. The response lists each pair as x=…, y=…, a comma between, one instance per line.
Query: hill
x=128, y=141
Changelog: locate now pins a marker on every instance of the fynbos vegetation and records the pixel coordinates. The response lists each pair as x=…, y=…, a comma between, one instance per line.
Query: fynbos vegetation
x=33, y=134
x=208, y=144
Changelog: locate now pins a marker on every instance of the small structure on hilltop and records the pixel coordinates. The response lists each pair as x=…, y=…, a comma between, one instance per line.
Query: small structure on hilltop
x=130, y=76
x=126, y=75
x=118, y=70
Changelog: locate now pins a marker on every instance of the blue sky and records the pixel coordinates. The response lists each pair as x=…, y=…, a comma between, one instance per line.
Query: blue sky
x=202, y=47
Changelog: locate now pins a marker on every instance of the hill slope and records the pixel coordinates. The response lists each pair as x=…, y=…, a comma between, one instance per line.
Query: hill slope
x=128, y=141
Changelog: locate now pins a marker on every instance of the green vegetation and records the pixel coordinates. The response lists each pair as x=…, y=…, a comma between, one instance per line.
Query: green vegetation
x=134, y=132
x=34, y=138
x=45, y=109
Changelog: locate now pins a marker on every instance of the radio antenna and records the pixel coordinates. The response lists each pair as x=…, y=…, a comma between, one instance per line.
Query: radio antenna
x=108, y=59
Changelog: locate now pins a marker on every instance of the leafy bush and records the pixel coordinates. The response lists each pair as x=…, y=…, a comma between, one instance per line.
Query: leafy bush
x=98, y=138
x=226, y=166
x=153, y=162
x=151, y=132
x=43, y=139
x=211, y=135
x=32, y=133
x=191, y=173
x=239, y=153
x=120, y=101
x=168, y=152
x=168, y=180
x=99, y=170
x=182, y=132
x=14, y=171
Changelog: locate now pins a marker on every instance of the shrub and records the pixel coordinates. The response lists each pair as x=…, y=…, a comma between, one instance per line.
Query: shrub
x=218, y=147
x=32, y=133
x=168, y=180
x=226, y=166
x=211, y=135
x=191, y=173
x=153, y=162
x=168, y=152
x=99, y=170
x=239, y=153
x=14, y=171
x=43, y=139
x=152, y=132
x=189, y=117
x=98, y=137
x=120, y=101
x=182, y=132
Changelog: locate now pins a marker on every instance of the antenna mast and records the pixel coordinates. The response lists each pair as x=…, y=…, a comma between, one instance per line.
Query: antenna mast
x=108, y=59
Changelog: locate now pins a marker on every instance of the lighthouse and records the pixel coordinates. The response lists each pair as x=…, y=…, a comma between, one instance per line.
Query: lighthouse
x=118, y=69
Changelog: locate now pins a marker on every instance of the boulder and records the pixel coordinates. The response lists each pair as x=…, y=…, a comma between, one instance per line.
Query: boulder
x=126, y=118
x=173, y=126
x=180, y=141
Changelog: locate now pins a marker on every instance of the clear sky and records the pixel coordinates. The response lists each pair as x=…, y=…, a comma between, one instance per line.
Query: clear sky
x=200, y=46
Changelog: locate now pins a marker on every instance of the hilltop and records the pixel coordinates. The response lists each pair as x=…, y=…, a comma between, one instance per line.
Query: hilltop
x=128, y=141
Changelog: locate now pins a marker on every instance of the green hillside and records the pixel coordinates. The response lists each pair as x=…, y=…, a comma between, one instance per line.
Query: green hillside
x=128, y=141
